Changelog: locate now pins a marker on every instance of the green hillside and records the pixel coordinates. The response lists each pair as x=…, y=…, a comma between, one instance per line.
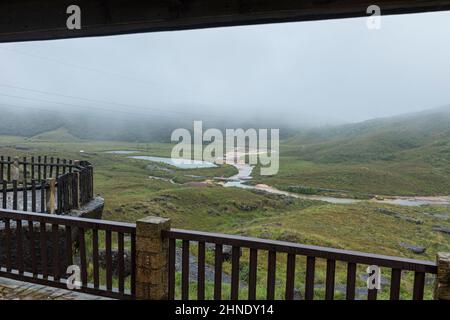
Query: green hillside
x=405, y=155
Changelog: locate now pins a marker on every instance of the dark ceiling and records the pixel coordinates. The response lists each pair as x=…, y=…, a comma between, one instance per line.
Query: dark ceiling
x=24, y=20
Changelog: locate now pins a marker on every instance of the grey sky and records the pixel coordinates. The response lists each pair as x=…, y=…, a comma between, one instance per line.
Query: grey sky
x=325, y=71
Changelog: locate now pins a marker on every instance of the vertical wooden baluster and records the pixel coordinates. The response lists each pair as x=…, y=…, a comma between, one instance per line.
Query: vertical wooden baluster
x=1, y=169
x=33, y=195
x=39, y=167
x=9, y=169
x=271, y=268
x=44, y=246
x=290, y=277
x=253, y=263
x=33, y=174
x=32, y=248
x=19, y=242
x=172, y=248
x=120, y=240
x=43, y=191
x=351, y=281
x=133, y=265
x=201, y=271
x=25, y=197
x=64, y=166
x=235, y=255
x=55, y=234
x=185, y=271
x=309, y=282
x=396, y=275
x=329, y=289
x=4, y=194
x=25, y=173
x=419, y=284
x=70, y=166
x=45, y=168
x=218, y=272
x=69, y=251
x=95, y=258
x=372, y=294
x=83, y=263
x=108, y=260
x=51, y=167
x=8, y=245
x=57, y=167
x=15, y=195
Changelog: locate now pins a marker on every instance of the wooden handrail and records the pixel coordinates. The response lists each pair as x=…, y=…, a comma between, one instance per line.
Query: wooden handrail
x=305, y=250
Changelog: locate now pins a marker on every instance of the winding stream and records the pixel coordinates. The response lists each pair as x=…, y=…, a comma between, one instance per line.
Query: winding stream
x=245, y=174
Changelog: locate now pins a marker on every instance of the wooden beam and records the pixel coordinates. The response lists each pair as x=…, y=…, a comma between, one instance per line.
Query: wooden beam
x=24, y=20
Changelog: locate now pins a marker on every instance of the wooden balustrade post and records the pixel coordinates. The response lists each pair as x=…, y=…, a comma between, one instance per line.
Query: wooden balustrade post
x=77, y=184
x=51, y=196
x=76, y=190
x=442, y=290
x=152, y=259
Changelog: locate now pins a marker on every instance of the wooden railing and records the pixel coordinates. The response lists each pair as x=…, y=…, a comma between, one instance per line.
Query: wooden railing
x=26, y=184
x=38, y=248
x=274, y=249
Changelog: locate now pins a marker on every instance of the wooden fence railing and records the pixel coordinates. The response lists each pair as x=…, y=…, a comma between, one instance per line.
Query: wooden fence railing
x=38, y=248
x=274, y=249
x=38, y=184
x=126, y=261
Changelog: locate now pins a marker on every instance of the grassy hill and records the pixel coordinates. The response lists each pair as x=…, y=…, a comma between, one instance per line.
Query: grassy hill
x=404, y=155
x=379, y=139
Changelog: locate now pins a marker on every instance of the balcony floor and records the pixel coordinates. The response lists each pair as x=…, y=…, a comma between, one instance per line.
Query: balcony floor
x=18, y=290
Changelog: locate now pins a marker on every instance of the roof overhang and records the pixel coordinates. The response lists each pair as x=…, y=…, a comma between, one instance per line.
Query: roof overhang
x=24, y=20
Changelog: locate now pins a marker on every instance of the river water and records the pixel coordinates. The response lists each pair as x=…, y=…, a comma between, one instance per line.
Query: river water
x=245, y=170
x=245, y=174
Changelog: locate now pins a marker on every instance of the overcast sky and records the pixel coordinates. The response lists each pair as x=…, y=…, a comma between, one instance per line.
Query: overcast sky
x=327, y=71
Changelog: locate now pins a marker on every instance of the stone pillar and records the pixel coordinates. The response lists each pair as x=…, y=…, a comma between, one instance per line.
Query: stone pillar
x=51, y=196
x=152, y=259
x=442, y=290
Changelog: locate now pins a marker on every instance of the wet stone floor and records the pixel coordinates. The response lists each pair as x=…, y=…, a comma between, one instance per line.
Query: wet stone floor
x=18, y=290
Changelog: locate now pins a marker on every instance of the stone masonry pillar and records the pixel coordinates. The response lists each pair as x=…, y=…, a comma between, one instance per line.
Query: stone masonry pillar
x=442, y=291
x=152, y=257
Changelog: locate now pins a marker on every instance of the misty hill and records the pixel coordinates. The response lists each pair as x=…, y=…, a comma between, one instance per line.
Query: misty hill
x=44, y=124
x=58, y=135
x=414, y=135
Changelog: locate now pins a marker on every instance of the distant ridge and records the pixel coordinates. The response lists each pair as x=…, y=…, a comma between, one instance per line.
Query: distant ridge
x=377, y=139
x=58, y=135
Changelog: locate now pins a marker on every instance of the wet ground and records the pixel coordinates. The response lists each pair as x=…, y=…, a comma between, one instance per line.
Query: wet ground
x=18, y=290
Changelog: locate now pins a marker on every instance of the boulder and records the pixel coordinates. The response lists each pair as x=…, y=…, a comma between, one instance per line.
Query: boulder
x=442, y=229
x=415, y=249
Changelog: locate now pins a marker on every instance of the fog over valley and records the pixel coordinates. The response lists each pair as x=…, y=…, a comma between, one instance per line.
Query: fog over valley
x=291, y=76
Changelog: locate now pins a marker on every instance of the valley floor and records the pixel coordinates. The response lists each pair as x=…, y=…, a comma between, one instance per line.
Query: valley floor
x=130, y=194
